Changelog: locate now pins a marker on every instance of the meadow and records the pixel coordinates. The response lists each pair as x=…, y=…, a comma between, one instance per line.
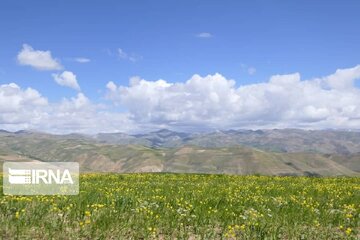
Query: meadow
x=189, y=206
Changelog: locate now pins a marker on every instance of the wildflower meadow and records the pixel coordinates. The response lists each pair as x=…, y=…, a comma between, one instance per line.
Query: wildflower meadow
x=189, y=206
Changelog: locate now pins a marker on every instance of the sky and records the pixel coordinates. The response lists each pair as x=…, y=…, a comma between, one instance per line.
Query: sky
x=135, y=66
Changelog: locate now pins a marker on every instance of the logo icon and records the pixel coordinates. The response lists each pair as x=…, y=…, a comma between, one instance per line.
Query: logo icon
x=19, y=176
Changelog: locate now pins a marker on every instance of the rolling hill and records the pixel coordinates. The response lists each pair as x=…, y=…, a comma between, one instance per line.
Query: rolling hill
x=267, y=152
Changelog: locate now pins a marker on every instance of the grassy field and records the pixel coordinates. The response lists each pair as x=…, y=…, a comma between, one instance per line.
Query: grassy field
x=189, y=206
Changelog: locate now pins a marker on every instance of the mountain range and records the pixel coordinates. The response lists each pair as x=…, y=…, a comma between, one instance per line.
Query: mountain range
x=266, y=152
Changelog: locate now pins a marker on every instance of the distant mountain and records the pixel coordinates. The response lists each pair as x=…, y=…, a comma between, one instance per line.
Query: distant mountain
x=160, y=138
x=165, y=138
x=277, y=140
x=120, y=138
x=284, y=140
x=270, y=152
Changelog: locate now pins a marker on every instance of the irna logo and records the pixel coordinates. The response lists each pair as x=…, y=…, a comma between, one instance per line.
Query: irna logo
x=40, y=178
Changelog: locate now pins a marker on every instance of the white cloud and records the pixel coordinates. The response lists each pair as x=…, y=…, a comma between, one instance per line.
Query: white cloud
x=80, y=101
x=41, y=60
x=67, y=79
x=12, y=98
x=27, y=109
x=208, y=102
x=204, y=35
x=131, y=57
x=79, y=114
x=122, y=54
x=82, y=60
x=111, y=86
x=18, y=106
x=343, y=79
x=135, y=57
x=215, y=102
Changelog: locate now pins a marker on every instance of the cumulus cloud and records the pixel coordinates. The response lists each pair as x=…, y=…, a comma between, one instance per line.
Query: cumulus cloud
x=12, y=98
x=67, y=79
x=27, y=109
x=204, y=35
x=202, y=102
x=41, y=60
x=343, y=79
x=215, y=102
x=17, y=106
x=79, y=114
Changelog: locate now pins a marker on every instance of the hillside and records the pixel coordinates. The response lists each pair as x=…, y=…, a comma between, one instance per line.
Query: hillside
x=94, y=154
x=278, y=140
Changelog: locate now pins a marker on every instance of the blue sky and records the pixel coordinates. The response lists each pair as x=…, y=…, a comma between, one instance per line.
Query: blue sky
x=247, y=41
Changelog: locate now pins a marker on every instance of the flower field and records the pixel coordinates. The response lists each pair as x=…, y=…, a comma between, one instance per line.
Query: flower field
x=189, y=206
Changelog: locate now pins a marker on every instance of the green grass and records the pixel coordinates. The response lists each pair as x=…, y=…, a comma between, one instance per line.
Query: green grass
x=189, y=206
